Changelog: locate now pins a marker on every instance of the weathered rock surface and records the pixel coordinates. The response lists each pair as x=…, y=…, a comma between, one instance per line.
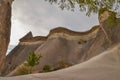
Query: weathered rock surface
x=58, y=50
x=5, y=28
x=63, y=33
x=53, y=50
x=18, y=55
x=72, y=35
x=100, y=43
x=105, y=66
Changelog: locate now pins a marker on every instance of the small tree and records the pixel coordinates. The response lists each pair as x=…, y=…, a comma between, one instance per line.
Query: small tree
x=32, y=60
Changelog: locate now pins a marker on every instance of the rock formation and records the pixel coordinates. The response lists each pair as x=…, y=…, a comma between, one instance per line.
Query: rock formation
x=63, y=33
x=19, y=54
x=65, y=45
x=60, y=45
x=86, y=49
x=100, y=43
x=72, y=35
x=28, y=36
x=5, y=28
x=54, y=46
x=105, y=66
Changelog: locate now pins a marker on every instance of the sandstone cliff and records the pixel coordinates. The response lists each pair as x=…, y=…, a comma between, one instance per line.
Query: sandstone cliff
x=56, y=47
x=86, y=49
x=59, y=48
x=68, y=50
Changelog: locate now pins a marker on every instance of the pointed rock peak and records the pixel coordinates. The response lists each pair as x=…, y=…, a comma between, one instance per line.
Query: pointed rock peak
x=26, y=37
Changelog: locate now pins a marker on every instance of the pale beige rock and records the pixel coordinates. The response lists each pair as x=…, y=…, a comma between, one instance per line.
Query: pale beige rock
x=54, y=48
x=100, y=43
x=105, y=66
x=72, y=35
x=53, y=52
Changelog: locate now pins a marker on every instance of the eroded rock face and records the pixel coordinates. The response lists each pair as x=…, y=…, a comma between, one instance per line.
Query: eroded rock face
x=72, y=35
x=103, y=67
x=100, y=43
x=54, y=49
x=17, y=56
x=5, y=28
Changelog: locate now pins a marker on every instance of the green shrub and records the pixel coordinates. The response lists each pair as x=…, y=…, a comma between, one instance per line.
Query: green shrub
x=33, y=59
x=46, y=68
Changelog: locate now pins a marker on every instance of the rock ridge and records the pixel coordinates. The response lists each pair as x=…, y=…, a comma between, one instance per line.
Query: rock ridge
x=61, y=32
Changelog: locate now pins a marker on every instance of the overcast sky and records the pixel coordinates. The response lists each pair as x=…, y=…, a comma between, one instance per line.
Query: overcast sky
x=39, y=17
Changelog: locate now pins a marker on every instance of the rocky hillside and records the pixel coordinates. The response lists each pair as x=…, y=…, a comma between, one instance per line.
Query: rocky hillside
x=61, y=45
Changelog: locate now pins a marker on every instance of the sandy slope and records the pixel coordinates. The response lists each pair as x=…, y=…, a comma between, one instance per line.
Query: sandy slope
x=105, y=66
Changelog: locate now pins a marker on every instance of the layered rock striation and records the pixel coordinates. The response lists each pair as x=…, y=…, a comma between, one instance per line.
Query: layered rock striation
x=64, y=33
x=61, y=45
x=56, y=47
x=100, y=43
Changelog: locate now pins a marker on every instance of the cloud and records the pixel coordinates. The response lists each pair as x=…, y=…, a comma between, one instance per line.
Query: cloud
x=39, y=17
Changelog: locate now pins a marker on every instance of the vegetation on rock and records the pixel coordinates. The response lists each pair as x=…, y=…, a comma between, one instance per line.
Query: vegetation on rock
x=59, y=65
x=47, y=68
x=31, y=61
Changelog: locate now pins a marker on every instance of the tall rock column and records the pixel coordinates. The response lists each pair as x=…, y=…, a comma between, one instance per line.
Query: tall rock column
x=5, y=29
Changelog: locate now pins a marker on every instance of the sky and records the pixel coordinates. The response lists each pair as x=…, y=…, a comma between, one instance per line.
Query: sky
x=40, y=17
